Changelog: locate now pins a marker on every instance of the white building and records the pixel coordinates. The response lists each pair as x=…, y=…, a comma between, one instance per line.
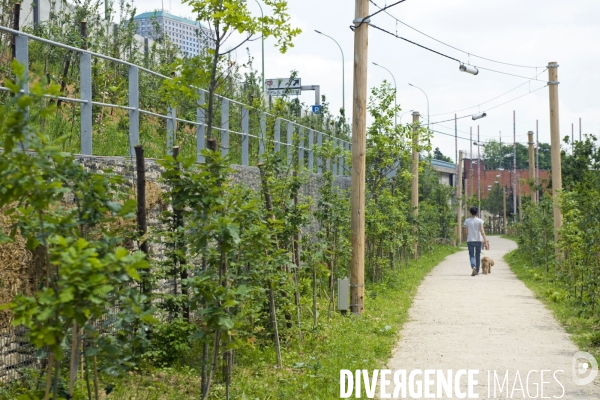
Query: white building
x=446, y=170
x=189, y=35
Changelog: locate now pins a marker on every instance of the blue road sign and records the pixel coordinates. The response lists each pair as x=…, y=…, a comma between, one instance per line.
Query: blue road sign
x=316, y=109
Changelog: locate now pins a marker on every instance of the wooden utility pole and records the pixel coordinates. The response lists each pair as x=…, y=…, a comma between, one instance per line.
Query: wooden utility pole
x=514, y=166
x=415, y=178
x=520, y=201
x=504, y=207
x=471, y=164
x=555, y=149
x=532, y=165
x=359, y=148
x=459, y=198
x=466, y=192
x=537, y=161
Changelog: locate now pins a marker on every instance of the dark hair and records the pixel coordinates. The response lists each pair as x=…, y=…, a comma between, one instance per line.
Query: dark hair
x=474, y=210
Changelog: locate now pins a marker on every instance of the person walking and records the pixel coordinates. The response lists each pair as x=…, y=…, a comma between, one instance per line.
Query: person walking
x=475, y=233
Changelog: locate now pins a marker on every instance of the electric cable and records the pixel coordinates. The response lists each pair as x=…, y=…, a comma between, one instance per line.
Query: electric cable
x=352, y=27
x=491, y=108
x=485, y=102
x=447, y=56
x=416, y=44
x=446, y=44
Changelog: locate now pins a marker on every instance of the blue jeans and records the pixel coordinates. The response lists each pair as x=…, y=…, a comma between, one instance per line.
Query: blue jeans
x=475, y=254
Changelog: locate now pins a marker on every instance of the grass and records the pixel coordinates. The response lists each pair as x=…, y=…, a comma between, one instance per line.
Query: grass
x=311, y=368
x=584, y=327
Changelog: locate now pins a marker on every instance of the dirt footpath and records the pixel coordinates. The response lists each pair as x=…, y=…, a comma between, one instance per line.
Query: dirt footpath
x=488, y=323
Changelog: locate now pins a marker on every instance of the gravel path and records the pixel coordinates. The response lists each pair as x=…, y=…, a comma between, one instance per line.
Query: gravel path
x=486, y=323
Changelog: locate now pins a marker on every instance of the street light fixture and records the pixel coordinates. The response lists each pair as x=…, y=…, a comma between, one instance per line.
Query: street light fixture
x=470, y=69
x=343, y=78
x=395, y=93
x=478, y=116
x=427, y=97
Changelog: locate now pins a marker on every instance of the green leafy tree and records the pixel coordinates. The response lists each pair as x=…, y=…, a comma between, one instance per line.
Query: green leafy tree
x=65, y=211
x=498, y=156
x=228, y=17
x=438, y=155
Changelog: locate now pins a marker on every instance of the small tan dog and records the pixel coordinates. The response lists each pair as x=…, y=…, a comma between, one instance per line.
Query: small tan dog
x=486, y=265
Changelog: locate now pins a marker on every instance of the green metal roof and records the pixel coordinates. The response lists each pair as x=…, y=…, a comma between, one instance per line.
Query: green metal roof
x=159, y=13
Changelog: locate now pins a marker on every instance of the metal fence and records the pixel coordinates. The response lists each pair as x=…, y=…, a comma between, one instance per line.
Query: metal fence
x=16, y=353
x=308, y=138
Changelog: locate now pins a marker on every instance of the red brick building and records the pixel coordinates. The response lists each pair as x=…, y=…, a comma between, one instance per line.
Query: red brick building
x=489, y=177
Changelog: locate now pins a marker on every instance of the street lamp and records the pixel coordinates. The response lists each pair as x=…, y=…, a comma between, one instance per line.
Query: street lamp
x=343, y=79
x=478, y=116
x=468, y=69
x=395, y=92
x=404, y=113
x=427, y=97
x=262, y=39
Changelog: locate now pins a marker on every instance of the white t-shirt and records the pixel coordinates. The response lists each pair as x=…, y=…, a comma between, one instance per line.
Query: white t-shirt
x=474, y=229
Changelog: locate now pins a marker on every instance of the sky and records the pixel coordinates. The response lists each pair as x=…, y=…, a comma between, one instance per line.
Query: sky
x=524, y=32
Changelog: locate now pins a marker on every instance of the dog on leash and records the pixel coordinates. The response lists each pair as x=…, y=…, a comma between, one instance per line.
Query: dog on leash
x=486, y=265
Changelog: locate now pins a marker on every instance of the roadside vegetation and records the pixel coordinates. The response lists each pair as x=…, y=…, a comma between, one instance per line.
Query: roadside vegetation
x=568, y=284
x=232, y=293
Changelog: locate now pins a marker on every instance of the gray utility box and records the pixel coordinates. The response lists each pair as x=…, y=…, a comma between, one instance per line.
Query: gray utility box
x=343, y=294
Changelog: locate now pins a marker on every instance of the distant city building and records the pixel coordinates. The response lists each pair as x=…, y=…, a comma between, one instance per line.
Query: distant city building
x=189, y=35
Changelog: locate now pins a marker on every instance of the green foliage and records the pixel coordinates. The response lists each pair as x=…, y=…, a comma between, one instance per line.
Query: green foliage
x=312, y=365
x=575, y=274
x=438, y=155
x=498, y=156
x=582, y=326
x=66, y=211
x=234, y=269
x=171, y=342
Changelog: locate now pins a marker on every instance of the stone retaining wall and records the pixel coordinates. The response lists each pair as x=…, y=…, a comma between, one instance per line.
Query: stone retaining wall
x=16, y=353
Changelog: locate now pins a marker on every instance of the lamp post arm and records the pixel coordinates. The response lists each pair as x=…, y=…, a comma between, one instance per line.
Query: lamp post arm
x=343, y=72
x=427, y=97
x=395, y=93
x=262, y=39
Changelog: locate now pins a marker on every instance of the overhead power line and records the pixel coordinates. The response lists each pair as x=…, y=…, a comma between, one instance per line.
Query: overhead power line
x=352, y=27
x=516, y=98
x=446, y=44
x=485, y=102
x=447, y=56
x=416, y=44
x=496, y=106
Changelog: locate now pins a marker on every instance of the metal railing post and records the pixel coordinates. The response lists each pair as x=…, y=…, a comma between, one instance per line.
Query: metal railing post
x=22, y=56
x=200, y=128
x=311, y=152
x=134, y=114
x=85, y=70
x=300, y=146
x=263, y=135
x=328, y=161
x=334, y=157
x=171, y=127
x=346, y=167
x=224, y=127
x=245, y=137
x=277, y=134
x=320, y=158
x=340, y=158
x=290, y=134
